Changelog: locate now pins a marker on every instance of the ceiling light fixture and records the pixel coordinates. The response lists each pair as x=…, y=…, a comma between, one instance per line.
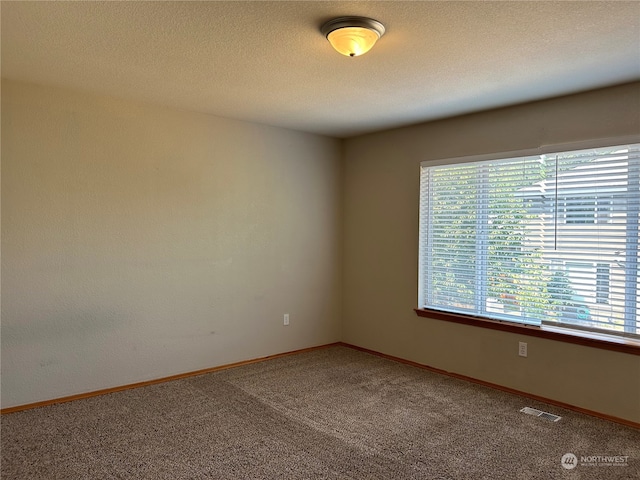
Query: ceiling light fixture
x=352, y=36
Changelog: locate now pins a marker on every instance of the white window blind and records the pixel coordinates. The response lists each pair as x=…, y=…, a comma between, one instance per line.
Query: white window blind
x=537, y=238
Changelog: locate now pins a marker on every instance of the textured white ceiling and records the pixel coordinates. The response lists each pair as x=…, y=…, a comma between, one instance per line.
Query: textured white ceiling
x=267, y=62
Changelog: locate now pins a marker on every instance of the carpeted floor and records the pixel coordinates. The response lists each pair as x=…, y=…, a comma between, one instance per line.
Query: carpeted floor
x=333, y=413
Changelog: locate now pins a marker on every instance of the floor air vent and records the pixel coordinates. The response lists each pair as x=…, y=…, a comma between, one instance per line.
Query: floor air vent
x=539, y=413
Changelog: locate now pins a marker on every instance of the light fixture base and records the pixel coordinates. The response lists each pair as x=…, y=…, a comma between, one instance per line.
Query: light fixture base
x=362, y=22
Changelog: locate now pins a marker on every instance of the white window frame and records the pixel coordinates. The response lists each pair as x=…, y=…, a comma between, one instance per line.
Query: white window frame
x=547, y=149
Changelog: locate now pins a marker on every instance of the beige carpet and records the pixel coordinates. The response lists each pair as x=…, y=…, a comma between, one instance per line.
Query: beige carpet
x=334, y=413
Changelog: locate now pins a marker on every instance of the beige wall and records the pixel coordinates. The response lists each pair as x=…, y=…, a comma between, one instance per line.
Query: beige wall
x=140, y=242
x=381, y=185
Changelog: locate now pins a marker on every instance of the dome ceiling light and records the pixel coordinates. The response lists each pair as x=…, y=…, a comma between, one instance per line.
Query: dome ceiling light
x=352, y=36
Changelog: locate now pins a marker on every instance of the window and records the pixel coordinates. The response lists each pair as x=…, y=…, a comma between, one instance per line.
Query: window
x=534, y=238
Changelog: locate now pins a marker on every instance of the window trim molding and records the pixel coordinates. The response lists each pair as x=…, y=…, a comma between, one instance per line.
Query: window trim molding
x=584, y=338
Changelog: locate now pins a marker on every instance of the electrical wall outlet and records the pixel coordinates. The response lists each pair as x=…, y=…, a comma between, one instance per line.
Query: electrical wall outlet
x=522, y=349
x=286, y=319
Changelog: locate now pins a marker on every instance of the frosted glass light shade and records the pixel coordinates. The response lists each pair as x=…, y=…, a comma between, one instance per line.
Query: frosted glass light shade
x=353, y=36
x=353, y=41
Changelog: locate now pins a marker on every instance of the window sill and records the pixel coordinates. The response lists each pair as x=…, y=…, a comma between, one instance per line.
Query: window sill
x=589, y=339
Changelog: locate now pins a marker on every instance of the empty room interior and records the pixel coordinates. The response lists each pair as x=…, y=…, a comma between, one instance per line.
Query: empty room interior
x=320, y=239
